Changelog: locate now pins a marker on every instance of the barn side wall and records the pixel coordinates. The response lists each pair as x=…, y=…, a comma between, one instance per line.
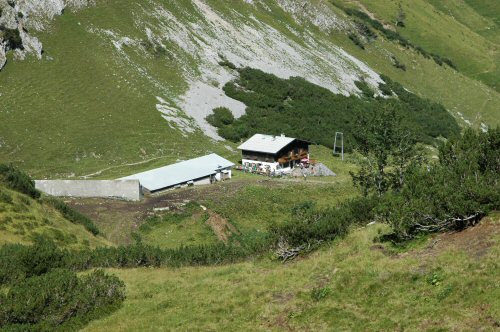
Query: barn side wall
x=123, y=189
x=201, y=182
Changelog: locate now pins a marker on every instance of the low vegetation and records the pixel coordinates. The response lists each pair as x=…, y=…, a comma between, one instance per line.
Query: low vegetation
x=304, y=110
x=40, y=295
x=354, y=284
x=12, y=38
x=25, y=215
x=395, y=36
x=452, y=194
x=17, y=180
x=71, y=214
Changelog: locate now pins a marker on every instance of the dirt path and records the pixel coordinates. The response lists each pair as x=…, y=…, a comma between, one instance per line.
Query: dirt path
x=118, y=166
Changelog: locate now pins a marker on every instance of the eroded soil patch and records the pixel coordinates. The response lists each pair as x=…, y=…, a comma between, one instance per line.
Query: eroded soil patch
x=221, y=226
x=118, y=219
x=475, y=241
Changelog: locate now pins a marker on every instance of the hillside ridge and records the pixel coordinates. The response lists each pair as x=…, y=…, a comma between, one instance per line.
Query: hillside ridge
x=118, y=79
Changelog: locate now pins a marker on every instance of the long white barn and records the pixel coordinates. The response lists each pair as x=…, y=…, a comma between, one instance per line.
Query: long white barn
x=198, y=171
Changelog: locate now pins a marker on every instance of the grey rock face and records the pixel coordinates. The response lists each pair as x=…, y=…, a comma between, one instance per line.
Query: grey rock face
x=31, y=45
x=318, y=13
x=37, y=13
x=3, y=58
x=8, y=18
x=34, y=15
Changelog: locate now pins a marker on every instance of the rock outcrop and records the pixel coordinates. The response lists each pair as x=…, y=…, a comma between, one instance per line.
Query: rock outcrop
x=31, y=15
x=3, y=57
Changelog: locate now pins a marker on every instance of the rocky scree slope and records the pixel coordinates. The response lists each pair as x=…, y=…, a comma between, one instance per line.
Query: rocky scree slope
x=201, y=33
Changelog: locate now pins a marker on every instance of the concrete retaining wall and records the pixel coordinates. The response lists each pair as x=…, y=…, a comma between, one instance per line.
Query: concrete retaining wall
x=122, y=189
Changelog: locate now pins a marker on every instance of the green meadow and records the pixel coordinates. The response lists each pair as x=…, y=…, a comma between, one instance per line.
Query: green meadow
x=354, y=284
x=22, y=219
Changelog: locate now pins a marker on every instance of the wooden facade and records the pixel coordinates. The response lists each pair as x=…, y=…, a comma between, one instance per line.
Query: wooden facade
x=293, y=152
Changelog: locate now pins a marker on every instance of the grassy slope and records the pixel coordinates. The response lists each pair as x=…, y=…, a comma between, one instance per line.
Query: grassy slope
x=256, y=206
x=188, y=231
x=476, y=101
x=180, y=229
x=24, y=218
x=88, y=109
x=366, y=290
x=464, y=31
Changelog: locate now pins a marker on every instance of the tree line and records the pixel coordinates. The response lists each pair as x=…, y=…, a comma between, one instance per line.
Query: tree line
x=400, y=187
x=304, y=110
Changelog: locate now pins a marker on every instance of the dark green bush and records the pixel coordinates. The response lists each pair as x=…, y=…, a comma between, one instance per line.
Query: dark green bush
x=355, y=39
x=18, y=180
x=366, y=90
x=397, y=64
x=427, y=118
x=227, y=63
x=221, y=116
x=310, y=226
x=449, y=63
x=138, y=255
x=13, y=38
x=401, y=17
x=365, y=30
x=59, y=300
x=329, y=225
x=301, y=109
x=11, y=263
x=43, y=294
x=451, y=195
x=15, y=263
x=18, y=262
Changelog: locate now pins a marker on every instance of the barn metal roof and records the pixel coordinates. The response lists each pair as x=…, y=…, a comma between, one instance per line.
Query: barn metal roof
x=182, y=172
x=266, y=143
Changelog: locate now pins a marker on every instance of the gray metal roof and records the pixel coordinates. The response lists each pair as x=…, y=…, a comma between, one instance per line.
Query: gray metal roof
x=181, y=172
x=266, y=143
